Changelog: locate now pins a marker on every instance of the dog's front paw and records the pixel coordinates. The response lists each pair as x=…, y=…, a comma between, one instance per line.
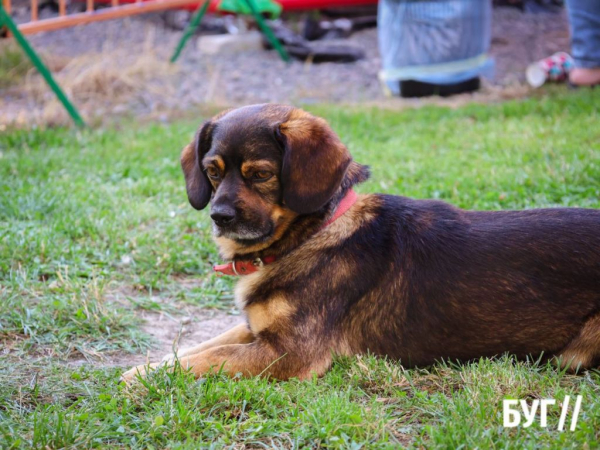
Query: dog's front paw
x=131, y=375
x=168, y=359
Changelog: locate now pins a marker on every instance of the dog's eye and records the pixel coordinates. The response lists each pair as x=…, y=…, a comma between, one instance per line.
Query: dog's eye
x=212, y=173
x=261, y=175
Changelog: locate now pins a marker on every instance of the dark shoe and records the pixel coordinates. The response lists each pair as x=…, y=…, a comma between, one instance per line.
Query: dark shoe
x=325, y=53
x=412, y=88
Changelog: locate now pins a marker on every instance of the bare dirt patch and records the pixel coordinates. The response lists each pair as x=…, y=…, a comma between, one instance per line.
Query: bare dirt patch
x=176, y=325
x=192, y=328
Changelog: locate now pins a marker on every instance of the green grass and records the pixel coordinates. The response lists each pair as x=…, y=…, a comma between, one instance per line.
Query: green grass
x=86, y=214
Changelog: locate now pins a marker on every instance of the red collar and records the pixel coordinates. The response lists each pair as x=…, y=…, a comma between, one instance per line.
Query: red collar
x=243, y=267
x=248, y=267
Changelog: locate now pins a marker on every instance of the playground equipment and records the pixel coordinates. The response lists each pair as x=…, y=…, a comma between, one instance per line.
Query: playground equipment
x=122, y=8
x=7, y=21
x=286, y=5
x=116, y=10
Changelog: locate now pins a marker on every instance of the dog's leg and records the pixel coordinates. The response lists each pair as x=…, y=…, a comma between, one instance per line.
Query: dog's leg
x=240, y=334
x=255, y=358
x=585, y=348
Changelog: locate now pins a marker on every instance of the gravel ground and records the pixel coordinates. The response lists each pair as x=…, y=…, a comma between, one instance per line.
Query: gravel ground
x=249, y=77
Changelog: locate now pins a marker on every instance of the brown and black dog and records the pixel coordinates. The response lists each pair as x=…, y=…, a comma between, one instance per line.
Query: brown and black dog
x=415, y=280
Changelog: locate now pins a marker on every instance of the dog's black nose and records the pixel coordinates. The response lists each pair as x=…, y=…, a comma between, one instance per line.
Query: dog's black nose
x=222, y=215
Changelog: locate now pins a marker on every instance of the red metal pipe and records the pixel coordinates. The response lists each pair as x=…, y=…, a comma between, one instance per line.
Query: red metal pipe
x=288, y=5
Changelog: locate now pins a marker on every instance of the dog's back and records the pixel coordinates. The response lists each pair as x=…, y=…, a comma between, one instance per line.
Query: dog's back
x=466, y=284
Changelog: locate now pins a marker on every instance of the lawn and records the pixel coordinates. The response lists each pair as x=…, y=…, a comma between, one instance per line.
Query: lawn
x=85, y=214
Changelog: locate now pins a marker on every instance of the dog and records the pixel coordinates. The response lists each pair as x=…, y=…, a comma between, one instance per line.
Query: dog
x=325, y=272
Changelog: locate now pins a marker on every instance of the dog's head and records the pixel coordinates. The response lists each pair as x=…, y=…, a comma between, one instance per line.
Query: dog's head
x=261, y=166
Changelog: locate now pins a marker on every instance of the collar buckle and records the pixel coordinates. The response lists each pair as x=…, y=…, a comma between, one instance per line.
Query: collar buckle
x=258, y=262
x=233, y=263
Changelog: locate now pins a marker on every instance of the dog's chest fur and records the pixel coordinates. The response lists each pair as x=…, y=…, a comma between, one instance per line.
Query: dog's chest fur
x=259, y=315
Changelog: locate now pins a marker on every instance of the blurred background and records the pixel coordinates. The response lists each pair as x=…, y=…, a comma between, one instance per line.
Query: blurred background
x=342, y=51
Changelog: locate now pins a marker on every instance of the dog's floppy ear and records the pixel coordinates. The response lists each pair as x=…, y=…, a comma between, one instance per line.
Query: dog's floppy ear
x=198, y=187
x=314, y=161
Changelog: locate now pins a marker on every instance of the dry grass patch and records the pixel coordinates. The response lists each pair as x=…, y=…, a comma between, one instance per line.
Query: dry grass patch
x=99, y=84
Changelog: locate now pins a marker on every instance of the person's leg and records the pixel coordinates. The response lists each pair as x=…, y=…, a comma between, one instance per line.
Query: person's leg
x=584, y=18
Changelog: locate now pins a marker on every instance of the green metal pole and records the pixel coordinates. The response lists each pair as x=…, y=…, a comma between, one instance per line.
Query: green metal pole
x=267, y=31
x=41, y=67
x=191, y=29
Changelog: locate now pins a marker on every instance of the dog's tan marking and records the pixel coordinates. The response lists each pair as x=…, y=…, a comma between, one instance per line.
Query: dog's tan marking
x=216, y=160
x=228, y=248
x=584, y=349
x=264, y=314
x=188, y=158
x=245, y=286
